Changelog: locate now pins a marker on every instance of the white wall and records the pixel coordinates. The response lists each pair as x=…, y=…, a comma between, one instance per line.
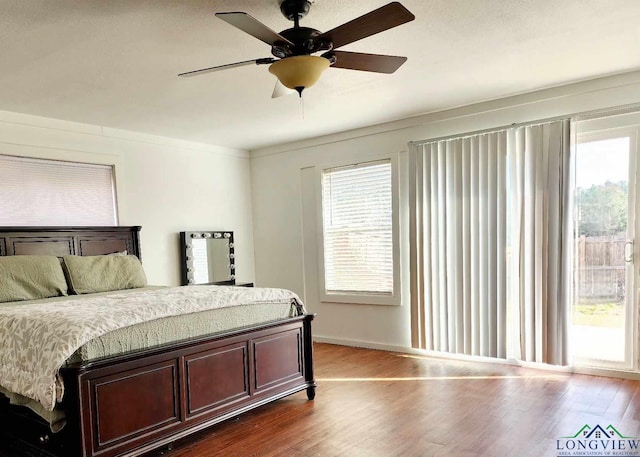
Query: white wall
x=164, y=185
x=285, y=250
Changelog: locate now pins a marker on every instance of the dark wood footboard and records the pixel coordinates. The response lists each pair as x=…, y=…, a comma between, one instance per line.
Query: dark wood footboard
x=130, y=404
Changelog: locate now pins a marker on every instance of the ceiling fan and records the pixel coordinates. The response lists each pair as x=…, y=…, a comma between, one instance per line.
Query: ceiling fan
x=294, y=64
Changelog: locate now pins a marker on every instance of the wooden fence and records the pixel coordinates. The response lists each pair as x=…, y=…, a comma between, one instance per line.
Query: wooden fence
x=600, y=268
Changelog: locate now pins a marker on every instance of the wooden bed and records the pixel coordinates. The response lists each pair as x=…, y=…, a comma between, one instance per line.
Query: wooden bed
x=132, y=403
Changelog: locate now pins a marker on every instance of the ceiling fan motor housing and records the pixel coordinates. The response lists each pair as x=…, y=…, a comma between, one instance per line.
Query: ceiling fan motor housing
x=295, y=9
x=305, y=40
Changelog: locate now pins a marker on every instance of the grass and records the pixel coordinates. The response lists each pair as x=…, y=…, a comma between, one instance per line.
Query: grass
x=599, y=314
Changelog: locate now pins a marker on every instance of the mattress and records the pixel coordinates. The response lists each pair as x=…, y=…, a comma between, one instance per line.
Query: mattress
x=176, y=328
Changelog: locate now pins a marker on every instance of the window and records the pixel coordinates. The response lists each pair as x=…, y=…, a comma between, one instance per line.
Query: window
x=358, y=235
x=50, y=192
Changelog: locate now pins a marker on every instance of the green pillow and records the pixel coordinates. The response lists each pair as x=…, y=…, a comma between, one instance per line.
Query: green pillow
x=30, y=277
x=102, y=273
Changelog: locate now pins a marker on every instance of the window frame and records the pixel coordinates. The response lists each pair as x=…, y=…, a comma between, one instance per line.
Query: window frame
x=362, y=298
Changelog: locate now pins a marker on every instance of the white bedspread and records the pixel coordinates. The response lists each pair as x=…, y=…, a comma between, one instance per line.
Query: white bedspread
x=36, y=339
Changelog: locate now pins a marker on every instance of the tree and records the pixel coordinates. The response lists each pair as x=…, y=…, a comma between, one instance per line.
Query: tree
x=602, y=209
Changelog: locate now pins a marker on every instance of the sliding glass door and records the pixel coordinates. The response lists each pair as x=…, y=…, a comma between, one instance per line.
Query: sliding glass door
x=604, y=308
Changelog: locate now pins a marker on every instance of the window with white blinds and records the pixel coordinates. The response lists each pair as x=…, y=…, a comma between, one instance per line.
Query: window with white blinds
x=50, y=192
x=358, y=230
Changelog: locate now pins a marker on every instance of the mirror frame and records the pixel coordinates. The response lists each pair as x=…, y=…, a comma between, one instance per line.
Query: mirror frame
x=186, y=247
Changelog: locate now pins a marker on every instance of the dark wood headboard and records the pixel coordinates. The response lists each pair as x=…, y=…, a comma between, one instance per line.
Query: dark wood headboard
x=61, y=241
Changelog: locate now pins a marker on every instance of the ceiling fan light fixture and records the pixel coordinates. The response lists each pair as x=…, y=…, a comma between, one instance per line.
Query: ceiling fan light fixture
x=299, y=72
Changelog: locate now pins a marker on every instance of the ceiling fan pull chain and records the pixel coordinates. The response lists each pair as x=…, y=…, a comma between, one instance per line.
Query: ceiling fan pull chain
x=302, y=105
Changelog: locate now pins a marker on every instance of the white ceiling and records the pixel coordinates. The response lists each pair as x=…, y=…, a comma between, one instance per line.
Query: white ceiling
x=114, y=63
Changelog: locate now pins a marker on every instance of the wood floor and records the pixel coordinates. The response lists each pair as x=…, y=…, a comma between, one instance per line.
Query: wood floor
x=382, y=404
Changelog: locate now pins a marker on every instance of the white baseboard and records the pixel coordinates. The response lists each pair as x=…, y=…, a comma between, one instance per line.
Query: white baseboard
x=366, y=345
x=592, y=371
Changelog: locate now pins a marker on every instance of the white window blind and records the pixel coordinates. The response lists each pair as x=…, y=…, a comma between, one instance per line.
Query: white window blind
x=357, y=229
x=49, y=192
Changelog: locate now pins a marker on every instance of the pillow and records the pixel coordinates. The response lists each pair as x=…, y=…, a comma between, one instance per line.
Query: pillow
x=30, y=277
x=125, y=252
x=102, y=273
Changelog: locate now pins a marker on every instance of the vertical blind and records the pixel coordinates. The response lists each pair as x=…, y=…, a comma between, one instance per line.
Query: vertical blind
x=49, y=192
x=357, y=228
x=462, y=233
x=492, y=244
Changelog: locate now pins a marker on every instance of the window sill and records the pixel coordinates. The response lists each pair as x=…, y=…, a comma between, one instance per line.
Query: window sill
x=361, y=299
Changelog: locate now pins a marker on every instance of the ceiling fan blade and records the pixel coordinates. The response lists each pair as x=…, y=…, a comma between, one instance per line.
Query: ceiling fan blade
x=202, y=71
x=384, y=18
x=367, y=62
x=253, y=27
x=280, y=90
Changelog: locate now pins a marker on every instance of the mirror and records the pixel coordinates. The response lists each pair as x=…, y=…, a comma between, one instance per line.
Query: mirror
x=207, y=257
